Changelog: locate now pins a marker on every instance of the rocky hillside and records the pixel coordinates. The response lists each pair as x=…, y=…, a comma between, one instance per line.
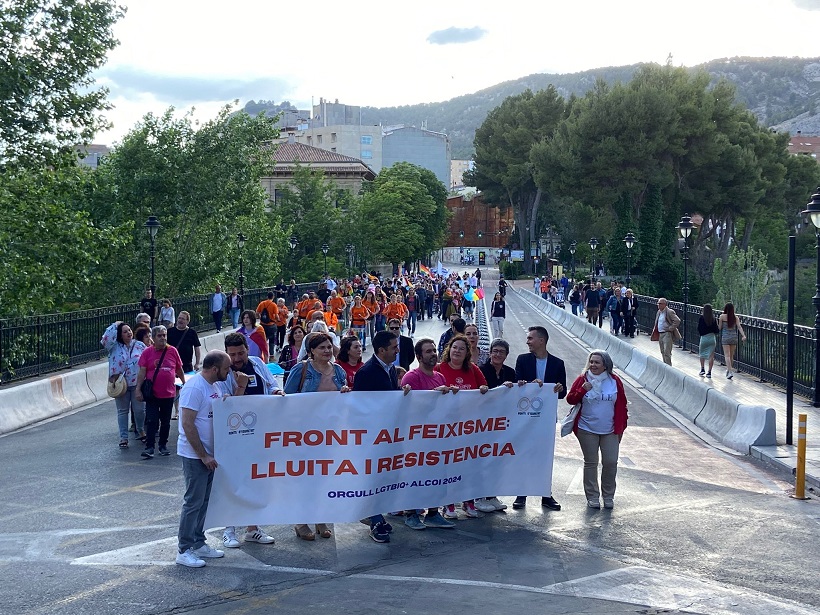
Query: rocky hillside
x=784, y=93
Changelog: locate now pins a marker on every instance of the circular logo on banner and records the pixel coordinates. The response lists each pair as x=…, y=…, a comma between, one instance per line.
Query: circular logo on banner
x=525, y=403
x=234, y=421
x=249, y=420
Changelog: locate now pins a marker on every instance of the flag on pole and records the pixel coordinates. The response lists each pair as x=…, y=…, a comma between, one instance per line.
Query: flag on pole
x=441, y=270
x=479, y=292
x=469, y=295
x=426, y=270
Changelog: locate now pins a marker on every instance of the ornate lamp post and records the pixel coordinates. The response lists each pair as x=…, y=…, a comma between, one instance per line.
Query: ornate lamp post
x=813, y=213
x=152, y=224
x=240, y=241
x=293, y=242
x=349, y=250
x=630, y=241
x=572, y=247
x=685, y=227
x=593, y=243
x=325, y=248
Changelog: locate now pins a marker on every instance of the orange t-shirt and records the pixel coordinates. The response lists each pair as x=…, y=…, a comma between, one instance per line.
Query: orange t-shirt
x=331, y=320
x=372, y=305
x=273, y=311
x=281, y=316
x=336, y=304
x=395, y=310
x=358, y=315
x=305, y=308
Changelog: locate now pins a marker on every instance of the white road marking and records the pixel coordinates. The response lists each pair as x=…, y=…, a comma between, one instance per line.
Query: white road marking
x=576, y=485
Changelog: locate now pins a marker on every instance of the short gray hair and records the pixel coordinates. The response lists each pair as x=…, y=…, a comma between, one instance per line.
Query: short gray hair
x=605, y=359
x=141, y=316
x=158, y=329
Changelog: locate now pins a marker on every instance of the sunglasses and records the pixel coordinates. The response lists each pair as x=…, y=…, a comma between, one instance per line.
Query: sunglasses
x=395, y=328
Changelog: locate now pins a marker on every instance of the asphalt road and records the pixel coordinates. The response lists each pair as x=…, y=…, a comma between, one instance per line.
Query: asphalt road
x=87, y=528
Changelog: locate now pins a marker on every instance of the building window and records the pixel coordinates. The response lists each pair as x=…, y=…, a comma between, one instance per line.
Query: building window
x=332, y=149
x=333, y=137
x=277, y=196
x=318, y=139
x=367, y=140
x=367, y=154
x=310, y=141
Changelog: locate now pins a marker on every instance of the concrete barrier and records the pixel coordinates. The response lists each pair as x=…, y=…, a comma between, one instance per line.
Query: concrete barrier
x=718, y=415
x=31, y=402
x=621, y=352
x=97, y=378
x=670, y=388
x=754, y=426
x=75, y=389
x=575, y=325
x=214, y=342
x=693, y=399
x=637, y=365
x=654, y=373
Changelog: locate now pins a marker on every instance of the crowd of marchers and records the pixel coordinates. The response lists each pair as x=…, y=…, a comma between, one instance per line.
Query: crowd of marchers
x=320, y=338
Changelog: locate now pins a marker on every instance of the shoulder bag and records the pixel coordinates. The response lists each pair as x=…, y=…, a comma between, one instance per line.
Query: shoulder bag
x=568, y=422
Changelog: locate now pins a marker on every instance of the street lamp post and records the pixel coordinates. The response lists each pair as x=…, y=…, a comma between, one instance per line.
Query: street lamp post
x=325, y=248
x=630, y=241
x=685, y=228
x=349, y=250
x=293, y=242
x=593, y=243
x=572, y=247
x=240, y=241
x=813, y=213
x=152, y=224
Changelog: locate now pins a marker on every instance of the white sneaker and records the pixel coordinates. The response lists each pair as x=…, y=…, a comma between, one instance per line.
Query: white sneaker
x=229, y=539
x=450, y=512
x=207, y=552
x=259, y=536
x=470, y=510
x=495, y=502
x=189, y=559
x=484, y=505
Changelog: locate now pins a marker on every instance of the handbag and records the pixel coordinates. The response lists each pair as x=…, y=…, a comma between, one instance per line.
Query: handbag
x=568, y=422
x=117, y=388
x=147, y=387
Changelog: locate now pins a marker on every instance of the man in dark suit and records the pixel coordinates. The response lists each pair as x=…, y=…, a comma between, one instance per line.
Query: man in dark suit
x=540, y=366
x=379, y=374
x=406, y=348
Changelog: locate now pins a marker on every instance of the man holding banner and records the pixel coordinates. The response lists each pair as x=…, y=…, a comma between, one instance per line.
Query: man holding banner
x=540, y=366
x=196, y=447
x=424, y=378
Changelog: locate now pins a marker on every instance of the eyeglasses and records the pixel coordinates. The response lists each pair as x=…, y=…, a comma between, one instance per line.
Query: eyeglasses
x=395, y=328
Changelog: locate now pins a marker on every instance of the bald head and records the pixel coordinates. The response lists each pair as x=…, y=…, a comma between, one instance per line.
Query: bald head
x=215, y=366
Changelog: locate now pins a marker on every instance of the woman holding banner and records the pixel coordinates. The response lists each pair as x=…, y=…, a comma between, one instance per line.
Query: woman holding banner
x=599, y=425
x=459, y=371
x=316, y=373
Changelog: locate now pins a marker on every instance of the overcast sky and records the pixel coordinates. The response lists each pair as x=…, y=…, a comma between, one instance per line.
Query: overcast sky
x=186, y=53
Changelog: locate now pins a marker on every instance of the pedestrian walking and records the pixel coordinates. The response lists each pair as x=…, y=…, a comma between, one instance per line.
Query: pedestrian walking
x=708, y=329
x=730, y=331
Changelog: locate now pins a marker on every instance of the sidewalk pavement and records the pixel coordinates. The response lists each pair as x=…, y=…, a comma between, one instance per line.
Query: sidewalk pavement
x=747, y=390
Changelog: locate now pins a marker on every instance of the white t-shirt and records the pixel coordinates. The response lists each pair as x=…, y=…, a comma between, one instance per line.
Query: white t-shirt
x=598, y=409
x=662, y=322
x=198, y=394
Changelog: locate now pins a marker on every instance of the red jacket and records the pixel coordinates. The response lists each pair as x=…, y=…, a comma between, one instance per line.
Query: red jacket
x=577, y=392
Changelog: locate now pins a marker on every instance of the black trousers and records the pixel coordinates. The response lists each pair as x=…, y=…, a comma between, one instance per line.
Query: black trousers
x=158, y=417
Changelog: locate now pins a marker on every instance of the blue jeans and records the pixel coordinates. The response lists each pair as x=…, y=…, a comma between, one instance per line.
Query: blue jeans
x=616, y=321
x=124, y=406
x=235, y=317
x=198, y=481
x=218, y=320
x=411, y=322
x=575, y=307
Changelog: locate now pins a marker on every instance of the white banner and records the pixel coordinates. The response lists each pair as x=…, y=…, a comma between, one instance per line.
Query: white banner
x=341, y=457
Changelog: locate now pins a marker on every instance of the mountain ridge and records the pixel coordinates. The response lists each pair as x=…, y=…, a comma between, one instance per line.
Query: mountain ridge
x=784, y=94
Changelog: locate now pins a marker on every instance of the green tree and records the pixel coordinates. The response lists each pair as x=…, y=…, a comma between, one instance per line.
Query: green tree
x=743, y=279
x=203, y=183
x=503, y=144
x=48, y=51
x=53, y=251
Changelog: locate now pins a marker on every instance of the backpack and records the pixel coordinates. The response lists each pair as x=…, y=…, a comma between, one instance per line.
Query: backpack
x=264, y=317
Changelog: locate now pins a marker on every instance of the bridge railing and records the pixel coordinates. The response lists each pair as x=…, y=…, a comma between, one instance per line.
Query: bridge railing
x=762, y=355
x=37, y=345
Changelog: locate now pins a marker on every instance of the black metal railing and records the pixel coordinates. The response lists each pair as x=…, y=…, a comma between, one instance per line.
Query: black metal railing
x=762, y=355
x=37, y=345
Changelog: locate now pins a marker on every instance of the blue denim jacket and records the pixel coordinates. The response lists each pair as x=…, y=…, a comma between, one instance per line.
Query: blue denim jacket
x=312, y=378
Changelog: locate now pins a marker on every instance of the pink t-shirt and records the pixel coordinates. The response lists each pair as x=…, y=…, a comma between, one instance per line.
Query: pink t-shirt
x=164, y=387
x=419, y=381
